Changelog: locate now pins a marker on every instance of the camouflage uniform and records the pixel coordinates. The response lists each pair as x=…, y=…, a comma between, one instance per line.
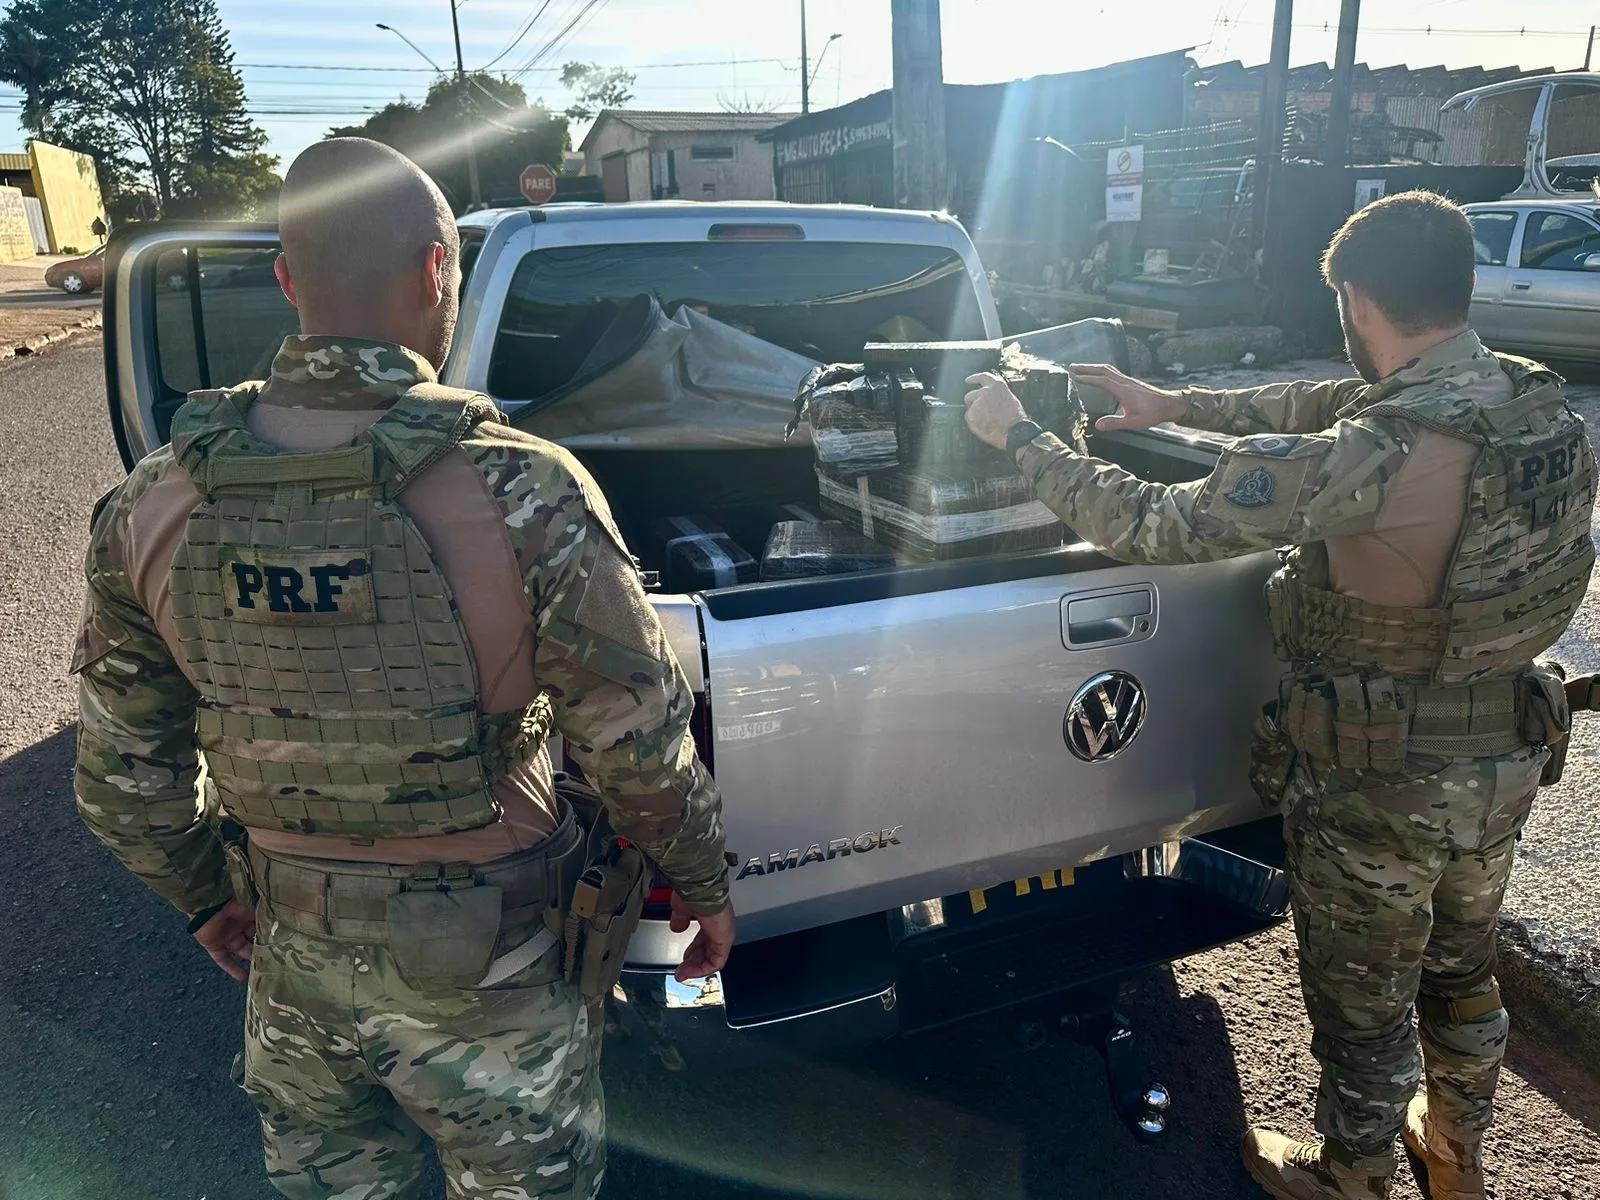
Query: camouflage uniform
x=1397, y=874
x=350, y=1064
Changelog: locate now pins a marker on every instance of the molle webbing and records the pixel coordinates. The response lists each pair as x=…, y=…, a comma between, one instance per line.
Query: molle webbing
x=1374, y=723
x=340, y=695
x=349, y=901
x=1470, y=639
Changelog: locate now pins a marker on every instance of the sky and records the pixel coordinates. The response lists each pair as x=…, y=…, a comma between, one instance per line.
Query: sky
x=309, y=65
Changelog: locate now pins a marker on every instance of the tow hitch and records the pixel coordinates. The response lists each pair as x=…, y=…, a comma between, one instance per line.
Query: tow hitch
x=1140, y=1100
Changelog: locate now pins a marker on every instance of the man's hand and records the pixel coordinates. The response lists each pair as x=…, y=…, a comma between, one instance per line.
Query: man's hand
x=708, y=953
x=992, y=408
x=228, y=937
x=1143, y=406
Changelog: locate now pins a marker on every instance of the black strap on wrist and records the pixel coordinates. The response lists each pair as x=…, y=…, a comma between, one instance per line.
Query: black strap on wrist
x=203, y=917
x=1020, y=434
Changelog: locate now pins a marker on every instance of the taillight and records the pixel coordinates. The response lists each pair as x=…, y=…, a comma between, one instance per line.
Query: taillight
x=756, y=232
x=658, y=900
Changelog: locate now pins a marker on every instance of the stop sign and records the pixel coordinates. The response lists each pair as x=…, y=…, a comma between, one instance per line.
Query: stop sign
x=538, y=183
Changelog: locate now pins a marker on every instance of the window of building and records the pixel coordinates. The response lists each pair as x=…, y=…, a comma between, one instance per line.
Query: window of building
x=711, y=153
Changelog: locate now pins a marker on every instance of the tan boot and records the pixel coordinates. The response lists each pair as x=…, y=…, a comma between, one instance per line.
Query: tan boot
x=1454, y=1168
x=1292, y=1170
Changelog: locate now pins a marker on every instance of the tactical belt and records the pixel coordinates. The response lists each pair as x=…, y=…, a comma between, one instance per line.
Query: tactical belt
x=349, y=901
x=1373, y=724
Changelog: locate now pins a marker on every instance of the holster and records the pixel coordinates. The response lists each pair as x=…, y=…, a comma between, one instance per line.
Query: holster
x=607, y=903
x=236, y=853
x=1546, y=715
x=1272, y=757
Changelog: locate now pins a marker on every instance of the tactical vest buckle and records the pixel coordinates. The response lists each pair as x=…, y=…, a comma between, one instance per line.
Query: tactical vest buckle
x=439, y=877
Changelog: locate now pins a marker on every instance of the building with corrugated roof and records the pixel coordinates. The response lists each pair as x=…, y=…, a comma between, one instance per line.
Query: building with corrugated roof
x=644, y=155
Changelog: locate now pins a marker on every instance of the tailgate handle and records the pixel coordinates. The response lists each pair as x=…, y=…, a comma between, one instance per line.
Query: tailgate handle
x=1108, y=617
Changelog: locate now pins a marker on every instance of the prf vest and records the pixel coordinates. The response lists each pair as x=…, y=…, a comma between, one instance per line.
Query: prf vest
x=338, y=690
x=1520, y=567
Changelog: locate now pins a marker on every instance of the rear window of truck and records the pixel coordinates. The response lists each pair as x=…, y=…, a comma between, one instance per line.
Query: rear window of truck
x=820, y=299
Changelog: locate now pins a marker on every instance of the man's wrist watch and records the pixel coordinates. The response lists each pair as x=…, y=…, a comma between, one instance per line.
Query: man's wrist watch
x=1020, y=434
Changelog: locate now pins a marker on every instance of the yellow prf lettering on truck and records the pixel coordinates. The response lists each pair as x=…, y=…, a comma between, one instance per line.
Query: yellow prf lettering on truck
x=1065, y=877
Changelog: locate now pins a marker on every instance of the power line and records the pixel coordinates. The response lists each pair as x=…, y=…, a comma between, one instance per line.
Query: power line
x=1425, y=30
x=719, y=62
x=586, y=12
x=521, y=33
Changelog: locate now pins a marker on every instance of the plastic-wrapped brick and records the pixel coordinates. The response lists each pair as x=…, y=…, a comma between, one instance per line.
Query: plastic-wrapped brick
x=804, y=549
x=697, y=554
x=942, y=512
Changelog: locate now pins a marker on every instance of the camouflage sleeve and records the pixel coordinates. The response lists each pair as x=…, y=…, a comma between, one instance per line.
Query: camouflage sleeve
x=1300, y=407
x=1267, y=491
x=620, y=698
x=138, y=763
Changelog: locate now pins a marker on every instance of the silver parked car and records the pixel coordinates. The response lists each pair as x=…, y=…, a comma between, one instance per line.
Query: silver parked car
x=1538, y=288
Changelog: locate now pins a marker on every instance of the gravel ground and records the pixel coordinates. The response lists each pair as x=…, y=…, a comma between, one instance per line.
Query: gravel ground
x=116, y=1033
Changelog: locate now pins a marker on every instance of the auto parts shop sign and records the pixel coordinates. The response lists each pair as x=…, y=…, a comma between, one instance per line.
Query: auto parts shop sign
x=1124, y=183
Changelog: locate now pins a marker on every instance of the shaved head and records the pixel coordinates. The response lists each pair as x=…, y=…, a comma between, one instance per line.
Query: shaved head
x=370, y=247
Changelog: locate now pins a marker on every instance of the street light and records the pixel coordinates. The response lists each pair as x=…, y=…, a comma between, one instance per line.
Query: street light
x=461, y=81
x=818, y=69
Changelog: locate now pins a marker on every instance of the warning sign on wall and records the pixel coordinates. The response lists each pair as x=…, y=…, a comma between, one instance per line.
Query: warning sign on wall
x=1124, y=183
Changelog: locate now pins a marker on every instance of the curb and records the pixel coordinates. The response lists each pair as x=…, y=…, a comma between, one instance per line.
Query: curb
x=39, y=341
x=1550, y=993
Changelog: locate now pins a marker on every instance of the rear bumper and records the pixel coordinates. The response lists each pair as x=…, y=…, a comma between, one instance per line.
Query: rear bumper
x=936, y=963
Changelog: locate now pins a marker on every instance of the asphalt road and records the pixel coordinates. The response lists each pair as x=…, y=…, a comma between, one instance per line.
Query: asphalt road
x=116, y=1034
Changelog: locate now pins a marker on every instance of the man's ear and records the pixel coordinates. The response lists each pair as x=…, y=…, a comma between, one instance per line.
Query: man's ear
x=434, y=283
x=1357, y=303
x=280, y=268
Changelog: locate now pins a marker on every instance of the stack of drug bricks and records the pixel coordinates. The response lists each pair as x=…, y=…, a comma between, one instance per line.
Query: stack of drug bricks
x=897, y=464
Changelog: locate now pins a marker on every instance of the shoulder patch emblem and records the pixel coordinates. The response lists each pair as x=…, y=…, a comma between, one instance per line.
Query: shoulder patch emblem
x=1254, y=489
x=1273, y=444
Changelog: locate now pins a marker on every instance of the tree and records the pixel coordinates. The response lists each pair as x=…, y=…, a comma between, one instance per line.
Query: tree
x=149, y=88
x=746, y=103
x=507, y=133
x=597, y=87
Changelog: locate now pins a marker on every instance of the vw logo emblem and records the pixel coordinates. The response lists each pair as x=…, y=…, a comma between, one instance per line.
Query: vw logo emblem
x=1104, y=717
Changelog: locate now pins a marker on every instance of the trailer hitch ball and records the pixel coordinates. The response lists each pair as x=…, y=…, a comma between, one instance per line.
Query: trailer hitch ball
x=1157, y=1098
x=1152, y=1124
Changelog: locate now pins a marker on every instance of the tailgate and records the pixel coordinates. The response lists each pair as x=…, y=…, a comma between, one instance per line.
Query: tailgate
x=876, y=752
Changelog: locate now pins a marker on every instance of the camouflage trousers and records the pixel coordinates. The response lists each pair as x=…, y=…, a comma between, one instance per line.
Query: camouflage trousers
x=352, y=1070
x=1396, y=887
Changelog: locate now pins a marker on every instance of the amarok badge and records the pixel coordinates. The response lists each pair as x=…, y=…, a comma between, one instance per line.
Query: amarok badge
x=296, y=587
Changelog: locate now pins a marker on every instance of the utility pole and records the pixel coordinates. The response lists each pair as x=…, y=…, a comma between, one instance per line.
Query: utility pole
x=805, y=64
x=1269, y=136
x=466, y=98
x=917, y=116
x=1336, y=151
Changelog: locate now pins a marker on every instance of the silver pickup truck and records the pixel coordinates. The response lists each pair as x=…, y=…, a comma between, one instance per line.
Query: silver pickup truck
x=1002, y=782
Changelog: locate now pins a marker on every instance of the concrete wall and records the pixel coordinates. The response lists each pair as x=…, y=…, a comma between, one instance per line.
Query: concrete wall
x=746, y=176
x=614, y=137
x=70, y=190
x=16, y=238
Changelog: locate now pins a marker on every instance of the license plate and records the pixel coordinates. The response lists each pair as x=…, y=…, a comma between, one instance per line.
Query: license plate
x=746, y=730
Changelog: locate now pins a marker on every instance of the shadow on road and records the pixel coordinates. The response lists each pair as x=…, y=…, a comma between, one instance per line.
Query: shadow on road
x=960, y=1113
x=119, y=1034
x=118, y=1031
